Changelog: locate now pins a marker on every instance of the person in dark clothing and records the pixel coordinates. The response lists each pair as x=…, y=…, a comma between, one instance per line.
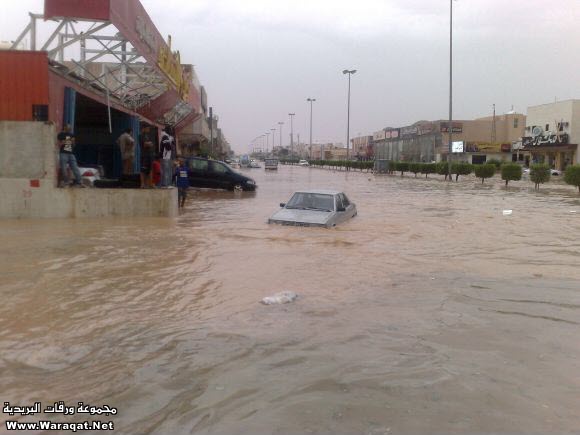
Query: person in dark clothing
x=146, y=163
x=167, y=156
x=66, y=143
x=182, y=183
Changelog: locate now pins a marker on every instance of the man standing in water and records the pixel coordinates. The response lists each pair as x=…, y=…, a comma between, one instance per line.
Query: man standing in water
x=66, y=143
x=182, y=183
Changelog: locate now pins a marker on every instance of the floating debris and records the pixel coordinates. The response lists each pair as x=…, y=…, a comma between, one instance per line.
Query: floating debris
x=280, y=298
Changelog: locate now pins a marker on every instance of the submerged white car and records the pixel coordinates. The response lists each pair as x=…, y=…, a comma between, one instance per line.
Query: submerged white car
x=315, y=208
x=90, y=174
x=303, y=163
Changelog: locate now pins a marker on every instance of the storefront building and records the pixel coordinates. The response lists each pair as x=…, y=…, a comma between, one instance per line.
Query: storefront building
x=552, y=134
x=474, y=141
x=103, y=69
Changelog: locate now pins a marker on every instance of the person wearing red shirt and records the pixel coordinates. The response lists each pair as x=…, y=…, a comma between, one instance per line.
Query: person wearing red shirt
x=156, y=172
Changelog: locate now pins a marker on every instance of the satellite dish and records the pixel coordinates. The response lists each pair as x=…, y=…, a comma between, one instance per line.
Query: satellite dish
x=537, y=131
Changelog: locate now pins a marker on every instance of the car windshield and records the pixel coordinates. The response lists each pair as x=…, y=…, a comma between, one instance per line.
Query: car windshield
x=311, y=201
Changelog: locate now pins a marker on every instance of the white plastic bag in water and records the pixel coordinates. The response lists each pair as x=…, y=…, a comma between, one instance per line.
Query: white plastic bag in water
x=279, y=298
x=507, y=212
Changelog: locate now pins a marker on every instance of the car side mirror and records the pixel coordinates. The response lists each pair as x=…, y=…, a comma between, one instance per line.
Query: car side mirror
x=282, y=204
x=340, y=209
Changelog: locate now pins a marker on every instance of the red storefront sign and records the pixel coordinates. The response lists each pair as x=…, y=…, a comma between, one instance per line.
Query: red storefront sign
x=97, y=10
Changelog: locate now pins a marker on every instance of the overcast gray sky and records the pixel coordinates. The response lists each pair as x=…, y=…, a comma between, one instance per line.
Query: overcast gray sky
x=261, y=59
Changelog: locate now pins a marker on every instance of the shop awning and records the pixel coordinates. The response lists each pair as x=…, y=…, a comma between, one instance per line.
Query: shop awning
x=114, y=46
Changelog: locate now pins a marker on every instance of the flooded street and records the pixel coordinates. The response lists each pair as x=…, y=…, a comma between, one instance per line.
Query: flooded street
x=429, y=312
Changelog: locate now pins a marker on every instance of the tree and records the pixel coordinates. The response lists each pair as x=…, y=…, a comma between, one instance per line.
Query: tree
x=494, y=162
x=484, y=171
x=572, y=176
x=511, y=171
x=428, y=168
x=442, y=168
x=403, y=167
x=415, y=168
x=539, y=174
x=461, y=168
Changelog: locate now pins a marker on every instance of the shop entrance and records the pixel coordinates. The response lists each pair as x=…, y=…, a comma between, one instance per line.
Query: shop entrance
x=478, y=159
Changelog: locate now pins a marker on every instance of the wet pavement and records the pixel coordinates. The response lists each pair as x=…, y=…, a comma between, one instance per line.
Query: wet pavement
x=429, y=312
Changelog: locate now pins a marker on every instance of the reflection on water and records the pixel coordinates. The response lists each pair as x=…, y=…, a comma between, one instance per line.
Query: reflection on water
x=428, y=312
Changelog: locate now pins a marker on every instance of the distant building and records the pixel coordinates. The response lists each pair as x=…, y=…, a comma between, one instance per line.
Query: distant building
x=362, y=147
x=475, y=141
x=552, y=134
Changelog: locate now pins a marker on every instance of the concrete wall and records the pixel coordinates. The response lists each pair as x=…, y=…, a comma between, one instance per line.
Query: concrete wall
x=27, y=150
x=18, y=199
x=550, y=114
x=28, y=189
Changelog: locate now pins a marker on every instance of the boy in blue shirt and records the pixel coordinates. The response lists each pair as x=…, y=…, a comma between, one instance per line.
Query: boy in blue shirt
x=182, y=183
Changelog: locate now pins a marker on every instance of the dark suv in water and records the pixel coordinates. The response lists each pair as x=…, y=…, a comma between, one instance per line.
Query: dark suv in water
x=216, y=175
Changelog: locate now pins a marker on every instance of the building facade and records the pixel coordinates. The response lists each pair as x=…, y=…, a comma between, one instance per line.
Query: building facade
x=475, y=141
x=552, y=134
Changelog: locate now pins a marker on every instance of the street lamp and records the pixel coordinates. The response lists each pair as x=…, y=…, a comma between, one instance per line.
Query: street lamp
x=267, y=141
x=311, y=100
x=450, y=126
x=280, y=124
x=349, y=72
x=291, y=115
x=273, y=130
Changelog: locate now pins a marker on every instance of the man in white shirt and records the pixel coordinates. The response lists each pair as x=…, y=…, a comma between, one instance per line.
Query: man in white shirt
x=166, y=154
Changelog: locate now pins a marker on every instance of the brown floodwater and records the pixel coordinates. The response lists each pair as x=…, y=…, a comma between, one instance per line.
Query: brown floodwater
x=429, y=312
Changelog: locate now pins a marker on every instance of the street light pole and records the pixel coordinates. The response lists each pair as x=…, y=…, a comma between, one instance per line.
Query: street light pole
x=311, y=100
x=349, y=72
x=267, y=141
x=280, y=124
x=450, y=126
x=291, y=115
x=273, y=130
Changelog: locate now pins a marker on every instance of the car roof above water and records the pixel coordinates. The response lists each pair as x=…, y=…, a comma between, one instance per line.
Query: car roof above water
x=320, y=191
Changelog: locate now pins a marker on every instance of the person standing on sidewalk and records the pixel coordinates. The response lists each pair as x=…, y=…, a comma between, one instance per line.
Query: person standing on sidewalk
x=66, y=143
x=127, y=146
x=166, y=153
x=147, y=163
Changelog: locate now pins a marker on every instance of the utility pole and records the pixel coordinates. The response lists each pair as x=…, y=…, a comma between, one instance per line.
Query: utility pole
x=493, y=128
x=291, y=134
x=311, y=100
x=211, y=131
x=450, y=126
x=280, y=124
x=273, y=130
x=349, y=72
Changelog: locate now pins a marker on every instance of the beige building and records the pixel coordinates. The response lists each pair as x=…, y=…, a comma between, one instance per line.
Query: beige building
x=552, y=134
x=475, y=141
x=328, y=151
x=482, y=139
x=362, y=147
